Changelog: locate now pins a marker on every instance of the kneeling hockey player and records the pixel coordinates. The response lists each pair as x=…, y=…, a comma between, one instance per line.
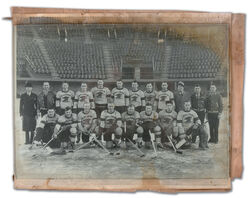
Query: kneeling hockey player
x=168, y=124
x=111, y=124
x=87, y=123
x=130, y=120
x=148, y=122
x=65, y=130
x=45, y=128
x=189, y=125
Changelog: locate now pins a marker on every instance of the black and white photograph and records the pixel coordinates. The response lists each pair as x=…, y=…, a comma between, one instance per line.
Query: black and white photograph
x=121, y=101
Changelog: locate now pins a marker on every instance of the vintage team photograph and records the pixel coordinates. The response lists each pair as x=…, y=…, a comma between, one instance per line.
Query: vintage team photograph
x=121, y=101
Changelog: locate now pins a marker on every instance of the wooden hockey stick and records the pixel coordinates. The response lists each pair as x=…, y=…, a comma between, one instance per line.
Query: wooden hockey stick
x=175, y=150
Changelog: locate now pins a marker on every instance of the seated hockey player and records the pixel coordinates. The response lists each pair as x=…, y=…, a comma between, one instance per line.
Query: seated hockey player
x=110, y=124
x=130, y=120
x=87, y=123
x=45, y=128
x=149, y=121
x=189, y=125
x=66, y=130
x=168, y=124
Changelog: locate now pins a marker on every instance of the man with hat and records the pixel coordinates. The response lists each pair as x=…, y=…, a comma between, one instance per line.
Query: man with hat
x=28, y=112
x=180, y=96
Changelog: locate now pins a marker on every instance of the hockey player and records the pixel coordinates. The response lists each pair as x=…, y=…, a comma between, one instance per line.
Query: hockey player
x=163, y=96
x=149, y=121
x=110, y=124
x=64, y=98
x=137, y=97
x=45, y=128
x=189, y=125
x=168, y=124
x=83, y=96
x=101, y=96
x=66, y=130
x=87, y=123
x=150, y=96
x=130, y=120
x=120, y=96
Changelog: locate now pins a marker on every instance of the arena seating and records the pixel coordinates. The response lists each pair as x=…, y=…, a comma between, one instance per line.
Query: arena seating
x=78, y=52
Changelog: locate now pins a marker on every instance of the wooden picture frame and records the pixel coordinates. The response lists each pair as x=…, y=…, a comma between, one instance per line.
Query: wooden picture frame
x=236, y=51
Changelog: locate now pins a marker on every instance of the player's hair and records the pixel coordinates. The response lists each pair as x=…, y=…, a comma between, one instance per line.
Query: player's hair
x=135, y=81
x=169, y=102
x=65, y=82
x=131, y=105
x=149, y=84
x=119, y=80
x=185, y=101
x=67, y=108
x=51, y=108
x=149, y=105
x=165, y=82
x=197, y=85
x=45, y=82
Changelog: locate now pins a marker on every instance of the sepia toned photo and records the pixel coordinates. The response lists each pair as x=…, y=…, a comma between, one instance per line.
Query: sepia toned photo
x=121, y=101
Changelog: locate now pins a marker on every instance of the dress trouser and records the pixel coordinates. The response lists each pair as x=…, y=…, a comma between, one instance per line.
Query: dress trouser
x=214, y=126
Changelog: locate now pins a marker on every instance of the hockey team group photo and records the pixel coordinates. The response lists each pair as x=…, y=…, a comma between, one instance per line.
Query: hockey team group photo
x=109, y=101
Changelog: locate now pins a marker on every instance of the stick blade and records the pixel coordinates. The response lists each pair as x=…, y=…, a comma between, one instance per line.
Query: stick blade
x=179, y=152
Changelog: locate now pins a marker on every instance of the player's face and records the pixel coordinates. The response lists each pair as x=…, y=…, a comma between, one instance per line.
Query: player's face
x=197, y=90
x=65, y=86
x=164, y=86
x=46, y=86
x=134, y=86
x=148, y=110
x=84, y=87
x=51, y=112
x=213, y=89
x=111, y=108
x=149, y=87
x=131, y=109
x=68, y=113
x=28, y=89
x=187, y=106
x=86, y=107
x=180, y=88
x=100, y=83
x=169, y=107
x=119, y=84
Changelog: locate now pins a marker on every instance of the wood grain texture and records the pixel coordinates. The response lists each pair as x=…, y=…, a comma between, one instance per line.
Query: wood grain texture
x=237, y=86
x=236, y=23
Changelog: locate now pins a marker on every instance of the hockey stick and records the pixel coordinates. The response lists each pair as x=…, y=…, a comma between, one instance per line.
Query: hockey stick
x=188, y=133
x=153, y=144
x=103, y=147
x=84, y=145
x=175, y=150
x=52, y=139
x=136, y=147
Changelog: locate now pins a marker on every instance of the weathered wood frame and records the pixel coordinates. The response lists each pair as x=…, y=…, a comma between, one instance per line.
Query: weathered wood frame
x=236, y=23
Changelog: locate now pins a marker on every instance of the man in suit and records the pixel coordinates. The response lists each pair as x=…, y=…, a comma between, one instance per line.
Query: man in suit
x=28, y=112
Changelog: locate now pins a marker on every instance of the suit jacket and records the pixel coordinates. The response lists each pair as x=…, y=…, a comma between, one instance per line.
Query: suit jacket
x=28, y=105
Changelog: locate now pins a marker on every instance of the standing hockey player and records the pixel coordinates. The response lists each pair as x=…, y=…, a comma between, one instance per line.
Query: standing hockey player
x=130, y=120
x=28, y=112
x=163, y=96
x=149, y=121
x=111, y=124
x=150, y=96
x=137, y=97
x=66, y=130
x=64, y=98
x=120, y=96
x=168, y=123
x=87, y=123
x=101, y=96
x=45, y=128
x=189, y=125
x=83, y=96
